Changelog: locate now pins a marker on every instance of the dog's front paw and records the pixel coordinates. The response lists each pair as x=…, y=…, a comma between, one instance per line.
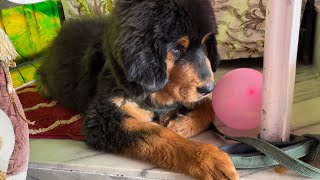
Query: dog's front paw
x=184, y=126
x=213, y=164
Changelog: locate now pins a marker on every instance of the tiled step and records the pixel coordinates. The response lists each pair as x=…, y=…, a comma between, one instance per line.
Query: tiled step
x=66, y=159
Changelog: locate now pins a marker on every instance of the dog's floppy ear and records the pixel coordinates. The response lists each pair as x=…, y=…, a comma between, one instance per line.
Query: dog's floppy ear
x=144, y=67
x=142, y=53
x=213, y=55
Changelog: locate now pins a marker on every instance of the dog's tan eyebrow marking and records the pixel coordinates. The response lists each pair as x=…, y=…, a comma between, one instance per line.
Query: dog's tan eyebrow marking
x=204, y=39
x=184, y=41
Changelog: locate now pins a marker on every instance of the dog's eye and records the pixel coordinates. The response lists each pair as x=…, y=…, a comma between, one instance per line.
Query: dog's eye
x=177, y=49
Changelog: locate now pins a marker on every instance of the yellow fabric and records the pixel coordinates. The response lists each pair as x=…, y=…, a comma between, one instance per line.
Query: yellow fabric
x=3, y=175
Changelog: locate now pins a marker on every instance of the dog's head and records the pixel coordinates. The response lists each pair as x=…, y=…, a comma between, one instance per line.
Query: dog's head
x=168, y=47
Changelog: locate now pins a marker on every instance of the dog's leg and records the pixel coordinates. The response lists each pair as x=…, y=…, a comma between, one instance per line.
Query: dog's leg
x=194, y=122
x=111, y=125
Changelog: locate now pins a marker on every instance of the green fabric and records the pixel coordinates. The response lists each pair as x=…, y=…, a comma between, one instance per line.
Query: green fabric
x=274, y=155
x=259, y=161
x=31, y=28
x=315, y=151
x=24, y=73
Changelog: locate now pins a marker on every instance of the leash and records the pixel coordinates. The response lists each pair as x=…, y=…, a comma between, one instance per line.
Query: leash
x=253, y=153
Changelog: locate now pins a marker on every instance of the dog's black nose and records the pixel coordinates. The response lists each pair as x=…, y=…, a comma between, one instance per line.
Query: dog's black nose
x=206, y=89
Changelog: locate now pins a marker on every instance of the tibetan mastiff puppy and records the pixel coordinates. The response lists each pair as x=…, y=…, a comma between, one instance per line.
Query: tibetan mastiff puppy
x=141, y=78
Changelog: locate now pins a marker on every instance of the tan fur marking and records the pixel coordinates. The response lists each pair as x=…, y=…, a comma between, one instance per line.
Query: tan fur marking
x=170, y=62
x=209, y=65
x=132, y=109
x=182, y=84
x=163, y=98
x=196, y=121
x=204, y=39
x=184, y=41
x=166, y=149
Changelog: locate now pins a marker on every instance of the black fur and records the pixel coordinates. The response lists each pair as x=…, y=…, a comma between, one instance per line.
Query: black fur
x=103, y=121
x=93, y=60
x=212, y=51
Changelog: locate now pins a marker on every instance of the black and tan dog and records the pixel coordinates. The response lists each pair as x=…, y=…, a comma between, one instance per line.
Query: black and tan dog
x=141, y=77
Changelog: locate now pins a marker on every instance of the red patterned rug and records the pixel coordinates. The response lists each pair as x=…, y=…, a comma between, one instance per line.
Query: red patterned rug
x=52, y=120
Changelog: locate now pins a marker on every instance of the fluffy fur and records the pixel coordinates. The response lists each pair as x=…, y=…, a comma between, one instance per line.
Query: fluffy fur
x=148, y=65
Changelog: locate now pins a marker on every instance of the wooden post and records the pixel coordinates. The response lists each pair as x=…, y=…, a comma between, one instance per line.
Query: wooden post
x=280, y=56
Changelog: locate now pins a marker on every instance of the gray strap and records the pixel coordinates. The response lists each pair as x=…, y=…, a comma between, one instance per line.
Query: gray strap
x=272, y=155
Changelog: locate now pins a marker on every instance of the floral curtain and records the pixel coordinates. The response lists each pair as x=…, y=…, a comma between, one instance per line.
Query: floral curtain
x=241, y=23
x=76, y=8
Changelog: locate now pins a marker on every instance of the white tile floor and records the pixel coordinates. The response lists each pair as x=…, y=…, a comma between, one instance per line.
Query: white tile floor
x=66, y=159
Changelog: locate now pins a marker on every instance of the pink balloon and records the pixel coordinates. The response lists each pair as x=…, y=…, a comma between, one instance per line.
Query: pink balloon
x=237, y=99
